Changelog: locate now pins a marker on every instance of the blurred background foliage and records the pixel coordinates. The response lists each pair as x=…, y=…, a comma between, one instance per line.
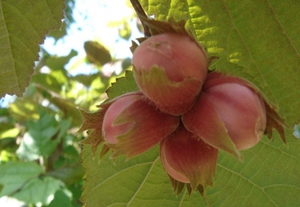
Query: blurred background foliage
x=39, y=144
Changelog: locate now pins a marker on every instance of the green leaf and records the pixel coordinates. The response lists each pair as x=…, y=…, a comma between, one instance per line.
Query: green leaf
x=263, y=48
x=23, y=26
x=125, y=30
x=47, y=81
x=65, y=105
x=69, y=175
x=86, y=79
x=10, y=133
x=62, y=198
x=58, y=78
x=8, y=130
x=25, y=108
x=96, y=53
x=269, y=176
x=122, y=85
x=58, y=62
x=256, y=40
x=39, y=190
x=13, y=176
x=42, y=137
x=59, y=33
x=133, y=181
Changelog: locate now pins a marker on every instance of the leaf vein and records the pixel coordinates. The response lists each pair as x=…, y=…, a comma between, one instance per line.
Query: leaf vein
x=248, y=51
x=284, y=31
x=150, y=169
x=113, y=175
x=242, y=177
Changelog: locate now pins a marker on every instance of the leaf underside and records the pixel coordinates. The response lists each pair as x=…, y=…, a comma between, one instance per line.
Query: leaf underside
x=23, y=27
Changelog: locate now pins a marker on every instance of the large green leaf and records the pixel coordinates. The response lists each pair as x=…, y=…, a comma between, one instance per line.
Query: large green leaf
x=268, y=177
x=23, y=26
x=257, y=40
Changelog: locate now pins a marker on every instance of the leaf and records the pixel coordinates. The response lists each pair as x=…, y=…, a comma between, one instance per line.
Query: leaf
x=42, y=137
x=159, y=27
x=256, y=40
x=59, y=33
x=69, y=175
x=127, y=177
x=47, y=81
x=8, y=130
x=65, y=105
x=10, y=133
x=122, y=85
x=269, y=176
x=23, y=26
x=263, y=49
x=125, y=30
x=61, y=199
x=96, y=53
x=57, y=78
x=58, y=63
x=14, y=176
x=24, y=108
x=86, y=79
x=39, y=190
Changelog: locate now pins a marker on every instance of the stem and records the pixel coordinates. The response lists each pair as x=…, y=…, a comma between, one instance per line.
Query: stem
x=140, y=12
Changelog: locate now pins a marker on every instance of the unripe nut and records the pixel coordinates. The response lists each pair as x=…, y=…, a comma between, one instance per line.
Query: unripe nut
x=170, y=69
x=229, y=114
x=241, y=110
x=188, y=159
x=132, y=125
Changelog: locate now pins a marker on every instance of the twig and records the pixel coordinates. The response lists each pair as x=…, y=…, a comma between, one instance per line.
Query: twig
x=140, y=12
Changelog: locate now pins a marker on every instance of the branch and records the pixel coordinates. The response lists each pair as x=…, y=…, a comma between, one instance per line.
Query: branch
x=141, y=13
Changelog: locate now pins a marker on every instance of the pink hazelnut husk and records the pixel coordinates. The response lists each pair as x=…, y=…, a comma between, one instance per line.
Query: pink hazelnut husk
x=170, y=70
x=132, y=125
x=229, y=115
x=188, y=159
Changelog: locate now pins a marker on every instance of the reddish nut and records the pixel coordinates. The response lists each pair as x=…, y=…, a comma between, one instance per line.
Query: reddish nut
x=228, y=115
x=188, y=159
x=132, y=125
x=170, y=69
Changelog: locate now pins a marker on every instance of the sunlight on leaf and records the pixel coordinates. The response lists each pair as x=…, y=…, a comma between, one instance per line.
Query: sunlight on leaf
x=23, y=109
x=39, y=190
x=10, y=133
x=262, y=48
x=23, y=27
x=14, y=175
